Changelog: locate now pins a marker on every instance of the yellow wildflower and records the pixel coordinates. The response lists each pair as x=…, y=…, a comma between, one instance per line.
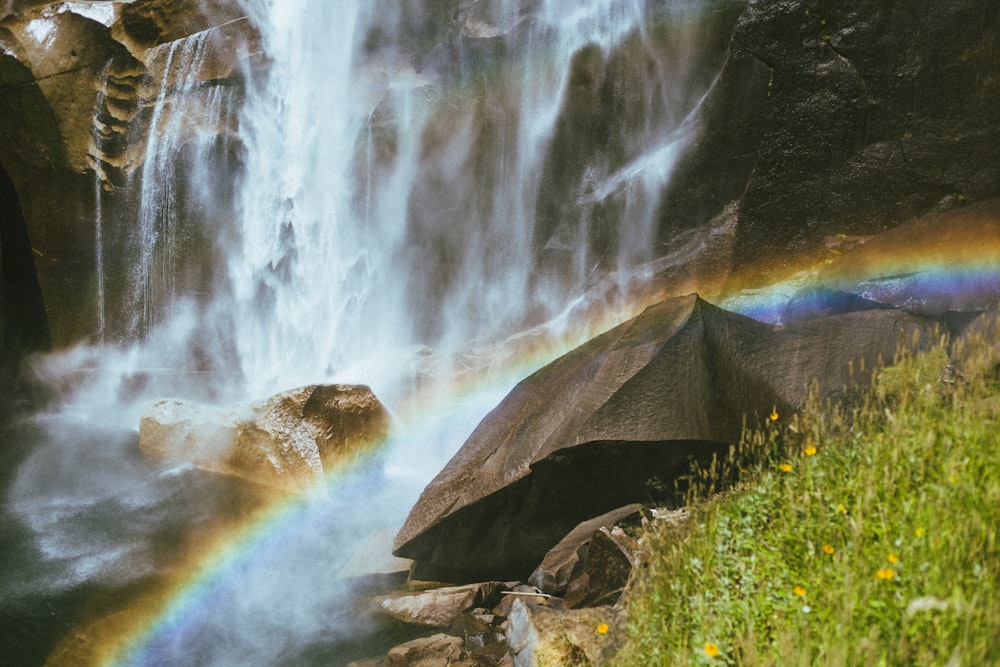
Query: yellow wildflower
x=919, y=532
x=785, y=467
x=711, y=650
x=800, y=591
x=810, y=450
x=841, y=508
x=602, y=628
x=828, y=549
x=774, y=415
x=893, y=558
x=885, y=574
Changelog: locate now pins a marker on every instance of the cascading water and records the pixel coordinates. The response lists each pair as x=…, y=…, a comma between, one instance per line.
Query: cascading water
x=417, y=178
x=160, y=241
x=391, y=190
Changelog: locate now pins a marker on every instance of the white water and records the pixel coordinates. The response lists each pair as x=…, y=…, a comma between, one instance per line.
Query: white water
x=350, y=261
x=181, y=109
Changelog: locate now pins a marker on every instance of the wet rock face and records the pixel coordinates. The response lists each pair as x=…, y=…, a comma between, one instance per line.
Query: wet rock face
x=845, y=118
x=23, y=324
x=147, y=23
x=76, y=89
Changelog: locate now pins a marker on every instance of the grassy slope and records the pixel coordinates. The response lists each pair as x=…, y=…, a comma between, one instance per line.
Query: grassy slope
x=865, y=535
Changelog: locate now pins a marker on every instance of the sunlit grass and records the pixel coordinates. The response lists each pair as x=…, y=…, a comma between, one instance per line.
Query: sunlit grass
x=861, y=534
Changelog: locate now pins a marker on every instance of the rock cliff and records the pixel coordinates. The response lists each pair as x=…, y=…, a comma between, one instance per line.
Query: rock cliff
x=844, y=118
x=78, y=85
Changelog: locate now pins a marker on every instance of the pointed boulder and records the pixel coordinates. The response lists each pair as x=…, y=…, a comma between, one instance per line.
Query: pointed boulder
x=619, y=419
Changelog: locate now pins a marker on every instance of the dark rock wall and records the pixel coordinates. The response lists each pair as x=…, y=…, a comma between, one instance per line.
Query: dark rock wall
x=844, y=117
x=24, y=327
x=616, y=105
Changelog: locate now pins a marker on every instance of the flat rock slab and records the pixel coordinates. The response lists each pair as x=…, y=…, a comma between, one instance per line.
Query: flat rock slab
x=439, y=607
x=437, y=650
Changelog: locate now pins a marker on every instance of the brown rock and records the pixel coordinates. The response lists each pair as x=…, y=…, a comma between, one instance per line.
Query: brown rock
x=65, y=54
x=539, y=636
x=143, y=24
x=484, y=643
x=612, y=557
x=347, y=418
x=437, y=650
x=284, y=442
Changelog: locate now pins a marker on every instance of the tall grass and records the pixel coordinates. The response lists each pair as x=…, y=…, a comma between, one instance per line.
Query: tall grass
x=855, y=535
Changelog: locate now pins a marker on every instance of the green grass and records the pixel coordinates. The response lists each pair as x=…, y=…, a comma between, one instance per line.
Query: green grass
x=877, y=545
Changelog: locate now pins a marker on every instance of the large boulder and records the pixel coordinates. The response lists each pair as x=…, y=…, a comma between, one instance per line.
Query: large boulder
x=289, y=441
x=619, y=420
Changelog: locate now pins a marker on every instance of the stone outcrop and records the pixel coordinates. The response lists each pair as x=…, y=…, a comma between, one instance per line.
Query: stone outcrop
x=439, y=607
x=289, y=442
x=941, y=263
x=619, y=420
x=492, y=624
x=612, y=556
x=439, y=649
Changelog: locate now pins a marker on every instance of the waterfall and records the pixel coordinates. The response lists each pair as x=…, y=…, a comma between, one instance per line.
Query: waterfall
x=394, y=189
x=99, y=258
x=400, y=196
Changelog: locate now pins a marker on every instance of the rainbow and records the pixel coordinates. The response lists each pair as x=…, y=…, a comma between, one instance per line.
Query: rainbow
x=950, y=260
x=157, y=625
x=940, y=263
